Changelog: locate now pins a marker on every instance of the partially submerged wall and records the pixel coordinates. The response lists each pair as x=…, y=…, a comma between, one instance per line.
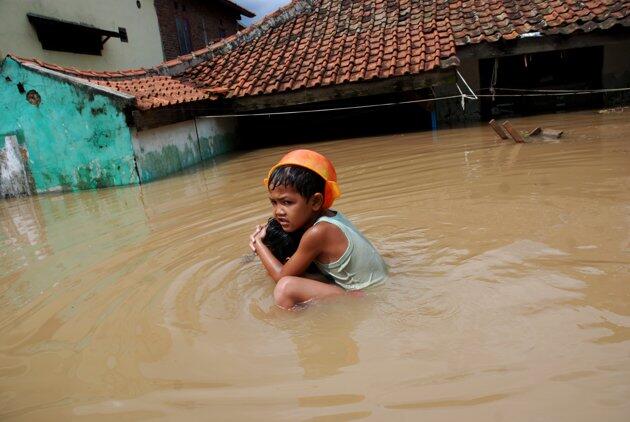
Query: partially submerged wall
x=216, y=136
x=75, y=138
x=616, y=72
x=168, y=149
x=165, y=150
x=60, y=134
x=15, y=175
x=450, y=112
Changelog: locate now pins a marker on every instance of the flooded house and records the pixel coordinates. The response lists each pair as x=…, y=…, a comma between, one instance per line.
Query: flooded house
x=74, y=134
x=521, y=59
x=313, y=66
x=508, y=293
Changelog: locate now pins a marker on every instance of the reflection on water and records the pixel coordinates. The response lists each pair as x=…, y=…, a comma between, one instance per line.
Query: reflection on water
x=323, y=342
x=508, y=294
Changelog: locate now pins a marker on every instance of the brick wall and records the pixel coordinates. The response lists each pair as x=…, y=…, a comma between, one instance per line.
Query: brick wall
x=206, y=20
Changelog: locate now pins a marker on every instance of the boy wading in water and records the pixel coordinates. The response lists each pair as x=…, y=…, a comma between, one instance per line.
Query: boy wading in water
x=302, y=187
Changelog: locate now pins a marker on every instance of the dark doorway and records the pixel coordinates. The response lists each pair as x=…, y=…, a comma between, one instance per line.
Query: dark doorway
x=574, y=69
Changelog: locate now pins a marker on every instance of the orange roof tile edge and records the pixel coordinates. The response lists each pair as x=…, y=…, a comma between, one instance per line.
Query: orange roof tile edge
x=446, y=23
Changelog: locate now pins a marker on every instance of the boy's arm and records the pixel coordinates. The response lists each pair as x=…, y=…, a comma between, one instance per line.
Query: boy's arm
x=308, y=250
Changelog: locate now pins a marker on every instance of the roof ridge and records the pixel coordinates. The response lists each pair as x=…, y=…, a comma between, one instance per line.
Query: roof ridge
x=178, y=65
x=86, y=74
x=243, y=10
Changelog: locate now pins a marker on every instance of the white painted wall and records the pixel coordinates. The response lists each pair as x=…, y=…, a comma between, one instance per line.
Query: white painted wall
x=144, y=48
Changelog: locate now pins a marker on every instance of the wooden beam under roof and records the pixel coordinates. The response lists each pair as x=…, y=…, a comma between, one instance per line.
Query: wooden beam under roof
x=305, y=99
x=344, y=91
x=162, y=116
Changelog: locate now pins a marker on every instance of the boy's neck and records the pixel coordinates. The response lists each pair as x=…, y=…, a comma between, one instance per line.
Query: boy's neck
x=315, y=217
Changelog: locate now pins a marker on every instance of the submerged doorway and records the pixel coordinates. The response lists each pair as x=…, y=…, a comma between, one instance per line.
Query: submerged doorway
x=575, y=69
x=15, y=179
x=350, y=118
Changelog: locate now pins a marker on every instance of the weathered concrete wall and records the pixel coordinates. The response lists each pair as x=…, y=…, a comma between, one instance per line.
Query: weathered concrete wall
x=216, y=136
x=165, y=150
x=616, y=72
x=14, y=170
x=76, y=138
x=169, y=149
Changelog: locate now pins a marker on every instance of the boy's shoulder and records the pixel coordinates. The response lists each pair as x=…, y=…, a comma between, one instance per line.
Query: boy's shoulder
x=323, y=232
x=320, y=230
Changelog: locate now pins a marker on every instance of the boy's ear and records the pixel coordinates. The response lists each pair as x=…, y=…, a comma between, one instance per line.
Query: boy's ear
x=317, y=201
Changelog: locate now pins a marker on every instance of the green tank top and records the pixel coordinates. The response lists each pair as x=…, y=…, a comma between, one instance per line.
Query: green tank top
x=360, y=266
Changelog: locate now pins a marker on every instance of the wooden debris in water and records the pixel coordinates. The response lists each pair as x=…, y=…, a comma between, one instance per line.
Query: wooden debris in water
x=498, y=129
x=507, y=129
x=612, y=110
x=552, y=133
x=535, y=132
x=545, y=133
x=514, y=134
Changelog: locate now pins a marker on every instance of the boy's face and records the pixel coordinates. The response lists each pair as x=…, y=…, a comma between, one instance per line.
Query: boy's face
x=292, y=210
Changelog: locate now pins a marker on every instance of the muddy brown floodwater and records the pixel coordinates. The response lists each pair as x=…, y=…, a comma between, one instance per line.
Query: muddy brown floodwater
x=509, y=294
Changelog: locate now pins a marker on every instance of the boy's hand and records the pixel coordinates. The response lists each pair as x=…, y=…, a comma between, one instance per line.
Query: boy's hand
x=259, y=234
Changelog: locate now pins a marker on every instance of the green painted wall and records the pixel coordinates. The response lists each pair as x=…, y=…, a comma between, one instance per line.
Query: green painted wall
x=76, y=138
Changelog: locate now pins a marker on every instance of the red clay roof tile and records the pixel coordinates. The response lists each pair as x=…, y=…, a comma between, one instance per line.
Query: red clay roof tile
x=150, y=90
x=312, y=43
x=315, y=46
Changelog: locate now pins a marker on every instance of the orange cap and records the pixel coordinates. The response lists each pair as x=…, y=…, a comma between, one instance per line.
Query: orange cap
x=316, y=162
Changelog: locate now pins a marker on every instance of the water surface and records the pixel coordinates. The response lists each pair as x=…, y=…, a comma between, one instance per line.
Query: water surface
x=509, y=295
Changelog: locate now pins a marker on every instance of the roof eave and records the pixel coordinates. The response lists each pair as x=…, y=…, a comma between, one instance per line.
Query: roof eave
x=238, y=8
x=120, y=96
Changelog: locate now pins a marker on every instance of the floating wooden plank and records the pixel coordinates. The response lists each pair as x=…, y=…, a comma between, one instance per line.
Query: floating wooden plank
x=535, y=132
x=514, y=134
x=498, y=129
x=552, y=133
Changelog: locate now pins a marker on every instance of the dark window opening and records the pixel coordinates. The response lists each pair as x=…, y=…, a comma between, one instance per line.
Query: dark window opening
x=58, y=35
x=183, y=35
x=573, y=69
